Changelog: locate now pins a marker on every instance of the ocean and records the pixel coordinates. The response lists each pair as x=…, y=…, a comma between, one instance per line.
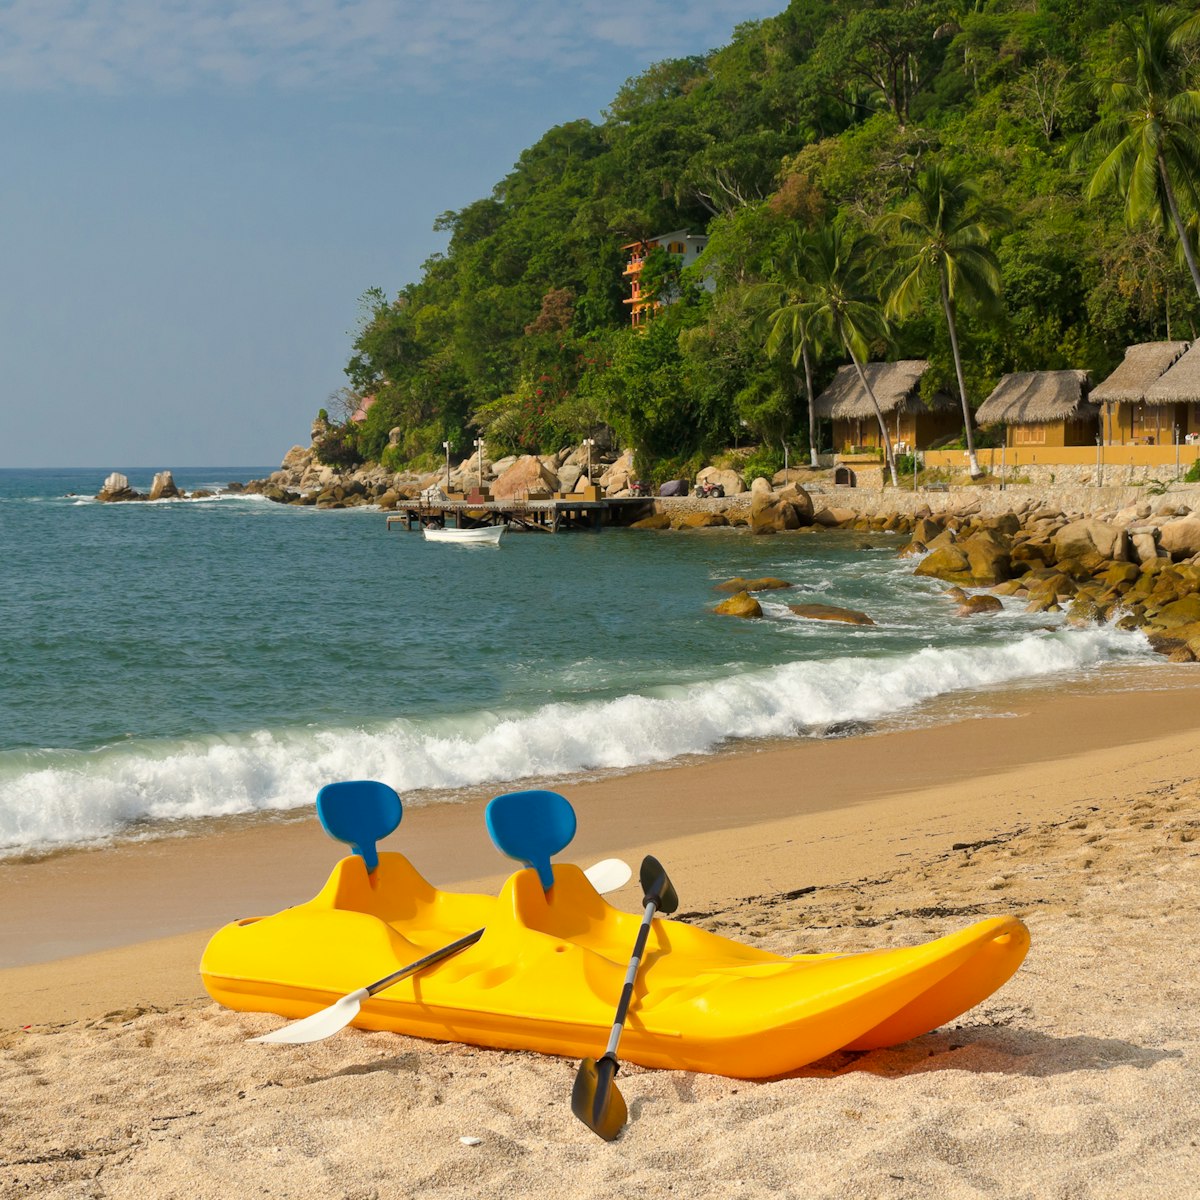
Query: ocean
x=166, y=664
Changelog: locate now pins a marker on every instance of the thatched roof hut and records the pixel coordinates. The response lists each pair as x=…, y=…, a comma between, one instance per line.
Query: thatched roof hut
x=1038, y=398
x=1179, y=385
x=1141, y=369
x=896, y=386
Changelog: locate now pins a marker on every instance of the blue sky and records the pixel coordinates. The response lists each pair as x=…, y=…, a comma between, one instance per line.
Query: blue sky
x=195, y=193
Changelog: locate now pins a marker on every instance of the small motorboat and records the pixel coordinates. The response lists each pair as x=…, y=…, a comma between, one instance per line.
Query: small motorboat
x=480, y=535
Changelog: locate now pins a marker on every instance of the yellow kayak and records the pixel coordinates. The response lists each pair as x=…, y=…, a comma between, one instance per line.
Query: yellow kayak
x=549, y=969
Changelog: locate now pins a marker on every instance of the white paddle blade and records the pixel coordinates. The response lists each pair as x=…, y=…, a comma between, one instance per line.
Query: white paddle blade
x=320, y=1025
x=609, y=874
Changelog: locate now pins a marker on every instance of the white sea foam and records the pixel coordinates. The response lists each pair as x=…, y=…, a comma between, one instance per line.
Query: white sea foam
x=53, y=798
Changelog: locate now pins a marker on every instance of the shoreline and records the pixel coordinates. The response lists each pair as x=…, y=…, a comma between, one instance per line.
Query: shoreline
x=94, y=930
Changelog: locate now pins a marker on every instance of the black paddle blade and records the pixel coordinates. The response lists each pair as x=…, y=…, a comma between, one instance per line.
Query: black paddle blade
x=596, y=1100
x=657, y=886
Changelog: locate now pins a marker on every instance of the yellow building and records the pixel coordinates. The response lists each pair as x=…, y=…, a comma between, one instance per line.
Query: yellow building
x=911, y=423
x=686, y=246
x=1043, y=408
x=1141, y=405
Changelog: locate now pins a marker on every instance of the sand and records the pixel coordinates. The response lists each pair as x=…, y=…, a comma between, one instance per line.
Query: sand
x=1079, y=1078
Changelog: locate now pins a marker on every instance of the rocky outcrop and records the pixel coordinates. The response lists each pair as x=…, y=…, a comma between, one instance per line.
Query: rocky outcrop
x=774, y=512
x=1180, y=539
x=829, y=612
x=768, y=583
x=653, y=521
x=616, y=478
x=974, y=605
x=164, y=487
x=116, y=488
x=528, y=476
x=741, y=605
x=701, y=520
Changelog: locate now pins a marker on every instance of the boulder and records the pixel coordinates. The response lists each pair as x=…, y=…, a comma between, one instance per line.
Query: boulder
x=833, y=517
x=701, y=520
x=925, y=530
x=528, y=475
x=989, y=563
x=1185, y=611
x=569, y=474
x=768, y=583
x=618, y=476
x=772, y=512
x=1180, y=538
x=116, y=488
x=1079, y=538
x=949, y=563
x=298, y=458
x=942, y=541
x=164, y=487
x=731, y=481
x=829, y=612
x=653, y=521
x=741, y=605
x=800, y=500
x=974, y=605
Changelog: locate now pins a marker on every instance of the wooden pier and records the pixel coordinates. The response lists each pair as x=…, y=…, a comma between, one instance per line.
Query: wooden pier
x=556, y=515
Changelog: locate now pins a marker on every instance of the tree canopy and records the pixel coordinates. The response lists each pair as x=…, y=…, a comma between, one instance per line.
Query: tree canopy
x=834, y=113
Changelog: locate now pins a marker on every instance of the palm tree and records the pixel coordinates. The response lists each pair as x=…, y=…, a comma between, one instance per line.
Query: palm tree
x=787, y=303
x=942, y=235
x=846, y=308
x=1149, y=129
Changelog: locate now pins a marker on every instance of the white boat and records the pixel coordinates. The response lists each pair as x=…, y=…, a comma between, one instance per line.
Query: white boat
x=481, y=535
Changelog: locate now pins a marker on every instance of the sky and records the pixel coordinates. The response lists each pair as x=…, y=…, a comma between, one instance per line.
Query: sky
x=194, y=193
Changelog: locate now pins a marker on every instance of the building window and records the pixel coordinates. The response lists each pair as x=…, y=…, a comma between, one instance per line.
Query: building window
x=1029, y=435
x=677, y=248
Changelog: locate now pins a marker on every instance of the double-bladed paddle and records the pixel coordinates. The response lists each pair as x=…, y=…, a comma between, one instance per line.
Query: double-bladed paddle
x=605, y=876
x=595, y=1099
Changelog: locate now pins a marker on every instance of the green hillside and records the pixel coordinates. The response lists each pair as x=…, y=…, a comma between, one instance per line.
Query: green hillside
x=830, y=115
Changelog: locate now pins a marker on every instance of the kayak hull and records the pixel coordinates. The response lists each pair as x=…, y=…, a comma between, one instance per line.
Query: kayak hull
x=547, y=973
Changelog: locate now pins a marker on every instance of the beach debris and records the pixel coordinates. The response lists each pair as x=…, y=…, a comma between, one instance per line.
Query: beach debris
x=471, y=1141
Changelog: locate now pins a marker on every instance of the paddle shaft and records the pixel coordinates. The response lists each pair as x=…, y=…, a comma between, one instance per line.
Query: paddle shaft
x=639, y=948
x=421, y=963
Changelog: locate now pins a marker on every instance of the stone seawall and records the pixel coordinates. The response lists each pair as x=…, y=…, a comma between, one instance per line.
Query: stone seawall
x=988, y=502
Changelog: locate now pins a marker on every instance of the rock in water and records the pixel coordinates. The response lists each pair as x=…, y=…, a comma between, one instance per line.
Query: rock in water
x=741, y=605
x=164, y=488
x=116, y=487
x=973, y=605
x=830, y=612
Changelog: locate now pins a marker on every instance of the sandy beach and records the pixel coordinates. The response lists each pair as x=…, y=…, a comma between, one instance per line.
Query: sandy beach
x=1075, y=809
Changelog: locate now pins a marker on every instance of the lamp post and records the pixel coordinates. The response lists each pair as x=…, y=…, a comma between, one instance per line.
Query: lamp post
x=446, y=447
x=589, y=443
x=479, y=447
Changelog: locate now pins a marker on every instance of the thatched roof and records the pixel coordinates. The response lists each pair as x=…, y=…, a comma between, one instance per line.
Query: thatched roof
x=1181, y=384
x=896, y=386
x=1038, y=398
x=1140, y=370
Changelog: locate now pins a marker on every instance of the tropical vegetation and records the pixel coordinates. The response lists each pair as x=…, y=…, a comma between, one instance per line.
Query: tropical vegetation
x=996, y=186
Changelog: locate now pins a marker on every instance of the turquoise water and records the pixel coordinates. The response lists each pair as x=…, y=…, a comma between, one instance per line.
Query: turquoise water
x=203, y=658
